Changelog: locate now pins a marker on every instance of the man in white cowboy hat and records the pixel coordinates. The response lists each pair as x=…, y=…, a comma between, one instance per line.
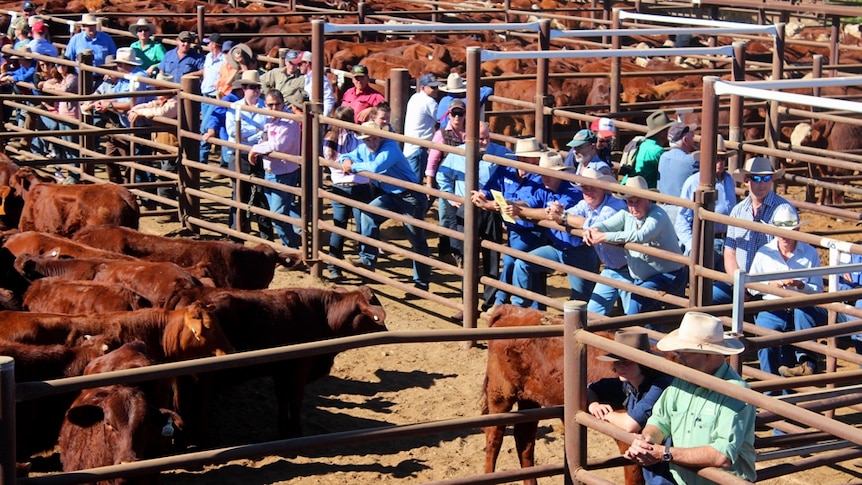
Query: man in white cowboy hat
x=420, y=121
x=693, y=427
x=646, y=223
x=740, y=245
x=725, y=199
x=584, y=154
x=650, y=150
x=626, y=401
x=149, y=50
x=676, y=164
x=90, y=37
x=564, y=247
x=515, y=184
x=183, y=59
x=779, y=255
x=303, y=62
x=361, y=97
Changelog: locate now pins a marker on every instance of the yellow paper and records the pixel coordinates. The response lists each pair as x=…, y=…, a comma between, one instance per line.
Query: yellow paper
x=501, y=201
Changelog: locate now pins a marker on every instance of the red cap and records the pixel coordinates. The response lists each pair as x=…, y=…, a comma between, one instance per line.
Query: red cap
x=39, y=27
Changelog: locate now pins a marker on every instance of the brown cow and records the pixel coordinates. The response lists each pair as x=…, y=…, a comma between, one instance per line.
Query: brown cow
x=155, y=281
x=64, y=209
x=230, y=265
x=529, y=373
x=259, y=319
x=57, y=295
x=114, y=424
x=838, y=137
x=39, y=243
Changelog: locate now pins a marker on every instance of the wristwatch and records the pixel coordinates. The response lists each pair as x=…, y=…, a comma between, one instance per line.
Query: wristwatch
x=564, y=219
x=111, y=105
x=667, y=457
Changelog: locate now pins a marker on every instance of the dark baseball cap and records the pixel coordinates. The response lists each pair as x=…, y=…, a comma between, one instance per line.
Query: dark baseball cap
x=215, y=38
x=429, y=80
x=360, y=70
x=186, y=36
x=28, y=7
x=679, y=130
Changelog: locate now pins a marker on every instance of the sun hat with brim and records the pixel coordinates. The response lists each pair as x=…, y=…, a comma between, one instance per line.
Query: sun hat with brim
x=126, y=55
x=109, y=61
x=700, y=333
x=581, y=138
x=304, y=56
x=457, y=104
x=636, y=182
x=186, y=36
x=297, y=99
x=247, y=77
x=552, y=160
x=604, y=127
x=657, y=122
x=142, y=23
x=239, y=50
x=591, y=173
x=367, y=125
x=756, y=166
x=454, y=84
x=529, y=147
x=636, y=340
x=89, y=19
x=785, y=218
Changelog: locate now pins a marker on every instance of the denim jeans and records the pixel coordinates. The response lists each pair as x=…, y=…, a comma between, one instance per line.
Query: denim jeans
x=282, y=202
x=522, y=240
x=783, y=321
x=583, y=257
x=418, y=161
x=408, y=204
x=206, y=112
x=672, y=283
x=341, y=214
x=604, y=296
x=448, y=216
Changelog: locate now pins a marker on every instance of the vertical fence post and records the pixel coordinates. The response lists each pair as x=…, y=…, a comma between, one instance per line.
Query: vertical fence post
x=470, y=284
x=7, y=420
x=190, y=149
x=773, y=123
x=399, y=94
x=616, y=67
x=575, y=385
x=707, y=184
x=201, y=12
x=543, y=122
x=737, y=122
x=85, y=86
x=312, y=173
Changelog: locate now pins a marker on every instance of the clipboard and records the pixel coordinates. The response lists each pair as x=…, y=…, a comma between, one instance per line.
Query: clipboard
x=501, y=201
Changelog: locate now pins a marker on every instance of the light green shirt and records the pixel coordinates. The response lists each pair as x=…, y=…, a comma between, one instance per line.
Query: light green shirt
x=646, y=161
x=696, y=416
x=152, y=55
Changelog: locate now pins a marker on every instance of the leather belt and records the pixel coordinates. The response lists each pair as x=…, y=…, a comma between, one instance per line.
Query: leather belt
x=348, y=184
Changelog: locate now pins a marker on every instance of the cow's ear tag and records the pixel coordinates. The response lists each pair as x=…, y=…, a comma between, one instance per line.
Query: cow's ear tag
x=168, y=429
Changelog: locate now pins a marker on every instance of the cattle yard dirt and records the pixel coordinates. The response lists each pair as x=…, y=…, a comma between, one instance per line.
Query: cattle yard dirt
x=400, y=384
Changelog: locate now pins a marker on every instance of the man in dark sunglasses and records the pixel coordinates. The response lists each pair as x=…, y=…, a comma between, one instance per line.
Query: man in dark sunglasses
x=740, y=245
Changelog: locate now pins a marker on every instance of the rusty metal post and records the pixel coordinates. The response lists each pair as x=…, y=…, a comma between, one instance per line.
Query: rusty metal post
x=507, y=6
x=435, y=17
x=773, y=127
x=361, y=12
x=470, y=283
x=695, y=291
x=816, y=73
x=312, y=172
x=7, y=421
x=543, y=134
x=736, y=128
x=399, y=94
x=281, y=53
x=190, y=149
x=201, y=12
x=85, y=86
x=707, y=183
x=574, y=387
x=834, y=46
x=616, y=67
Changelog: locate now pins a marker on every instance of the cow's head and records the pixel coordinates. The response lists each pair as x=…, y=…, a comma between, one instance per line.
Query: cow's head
x=356, y=312
x=24, y=179
x=194, y=332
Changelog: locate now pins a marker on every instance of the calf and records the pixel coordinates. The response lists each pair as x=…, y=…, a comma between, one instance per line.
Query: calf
x=64, y=209
x=114, y=424
x=155, y=281
x=41, y=243
x=56, y=295
x=230, y=265
x=529, y=372
x=259, y=319
x=832, y=136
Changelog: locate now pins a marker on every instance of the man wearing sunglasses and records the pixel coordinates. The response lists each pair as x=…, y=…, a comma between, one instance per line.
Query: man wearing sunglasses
x=182, y=59
x=740, y=245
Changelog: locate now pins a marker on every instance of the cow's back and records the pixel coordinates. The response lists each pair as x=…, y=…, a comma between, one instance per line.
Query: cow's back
x=65, y=209
x=56, y=295
x=39, y=243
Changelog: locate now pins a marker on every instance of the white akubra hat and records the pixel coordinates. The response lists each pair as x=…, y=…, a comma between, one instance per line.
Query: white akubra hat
x=142, y=23
x=89, y=19
x=591, y=173
x=636, y=182
x=553, y=161
x=126, y=55
x=368, y=125
x=251, y=77
x=701, y=333
x=529, y=147
x=454, y=84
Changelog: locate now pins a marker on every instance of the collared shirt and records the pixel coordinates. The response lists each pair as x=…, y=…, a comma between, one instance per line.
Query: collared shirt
x=328, y=96
x=128, y=84
x=725, y=199
x=508, y=181
x=646, y=161
x=745, y=242
x=150, y=55
x=279, y=79
x=654, y=230
x=283, y=136
x=674, y=168
x=611, y=255
x=250, y=124
x=360, y=102
x=387, y=160
x=769, y=260
x=451, y=176
x=566, y=195
x=419, y=120
x=176, y=67
x=43, y=47
x=332, y=149
x=216, y=120
x=102, y=46
x=211, y=69
x=695, y=416
x=596, y=164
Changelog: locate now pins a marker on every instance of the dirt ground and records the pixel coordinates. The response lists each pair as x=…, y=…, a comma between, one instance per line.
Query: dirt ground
x=400, y=384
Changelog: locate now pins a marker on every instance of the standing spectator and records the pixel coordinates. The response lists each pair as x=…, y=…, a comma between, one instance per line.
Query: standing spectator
x=239, y=58
x=284, y=136
x=32, y=121
x=361, y=97
x=383, y=156
x=725, y=199
x=849, y=281
x=303, y=62
x=90, y=37
x=24, y=72
x=215, y=125
x=20, y=34
x=456, y=88
x=182, y=59
x=212, y=63
x=247, y=128
x=337, y=142
x=286, y=79
x=151, y=52
x=585, y=154
x=63, y=81
x=782, y=254
x=565, y=248
x=650, y=150
x=741, y=245
x=420, y=121
x=643, y=223
x=626, y=401
x=693, y=427
x=453, y=135
x=676, y=164
x=40, y=44
x=606, y=135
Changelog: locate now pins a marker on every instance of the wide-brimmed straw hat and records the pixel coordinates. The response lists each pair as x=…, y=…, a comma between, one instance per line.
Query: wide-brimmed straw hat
x=367, y=124
x=247, y=77
x=720, y=148
x=239, y=50
x=756, y=166
x=529, y=147
x=657, y=122
x=636, y=182
x=133, y=29
x=700, y=333
x=637, y=340
x=591, y=173
x=126, y=55
x=554, y=161
x=89, y=19
x=454, y=84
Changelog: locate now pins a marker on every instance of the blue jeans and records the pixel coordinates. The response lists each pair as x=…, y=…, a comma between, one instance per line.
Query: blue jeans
x=582, y=257
x=282, y=202
x=206, y=111
x=341, y=214
x=522, y=240
x=604, y=296
x=418, y=161
x=672, y=283
x=408, y=204
x=783, y=321
x=448, y=216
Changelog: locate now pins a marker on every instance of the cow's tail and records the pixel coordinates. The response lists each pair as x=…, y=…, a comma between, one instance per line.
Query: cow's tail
x=483, y=403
